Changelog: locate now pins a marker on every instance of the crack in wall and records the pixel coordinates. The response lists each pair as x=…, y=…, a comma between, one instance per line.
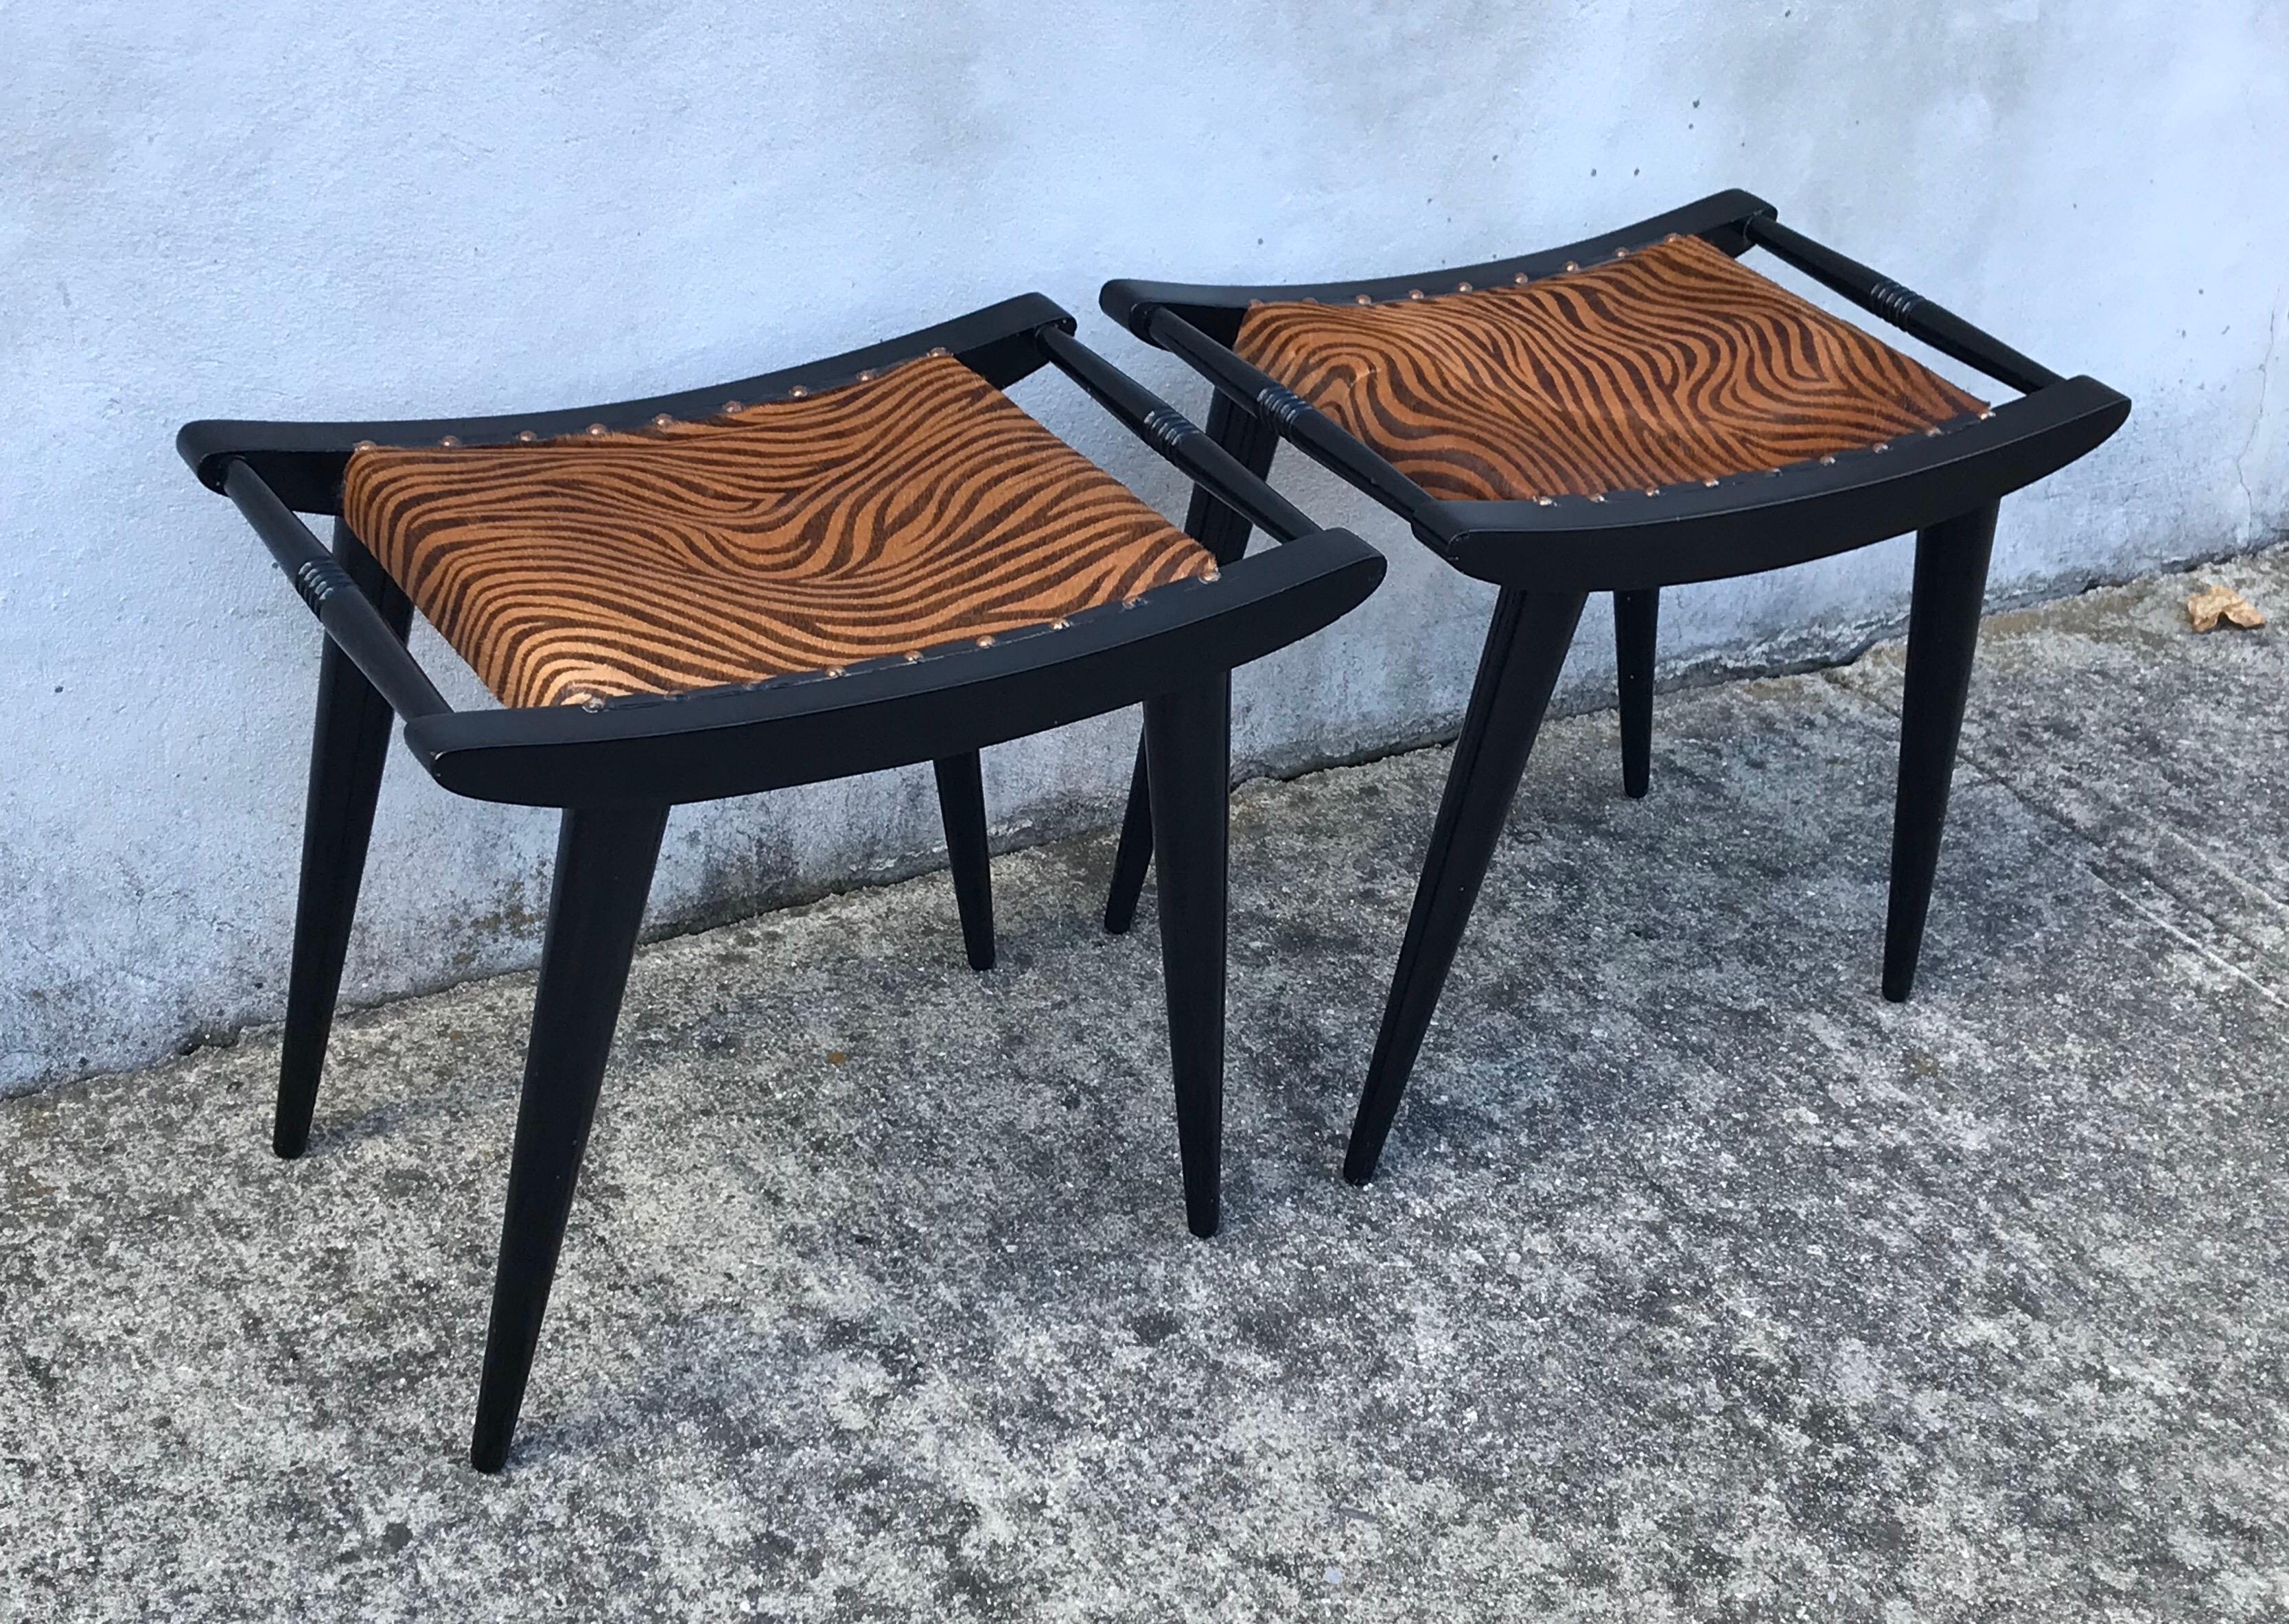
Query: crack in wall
x=2251, y=528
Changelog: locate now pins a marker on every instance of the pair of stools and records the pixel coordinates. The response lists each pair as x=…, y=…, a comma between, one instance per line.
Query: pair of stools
x=878, y=559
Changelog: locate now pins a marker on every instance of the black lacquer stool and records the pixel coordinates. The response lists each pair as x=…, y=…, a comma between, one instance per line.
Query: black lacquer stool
x=869, y=562
x=1624, y=414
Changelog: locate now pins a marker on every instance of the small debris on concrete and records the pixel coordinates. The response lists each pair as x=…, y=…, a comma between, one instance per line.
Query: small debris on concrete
x=2213, y=606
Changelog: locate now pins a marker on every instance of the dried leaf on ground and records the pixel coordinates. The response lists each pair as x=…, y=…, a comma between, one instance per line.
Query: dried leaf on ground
x=2211, y=604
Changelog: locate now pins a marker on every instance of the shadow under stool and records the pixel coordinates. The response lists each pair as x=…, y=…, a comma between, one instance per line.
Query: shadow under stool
x=868, y=562
x=1630, y=412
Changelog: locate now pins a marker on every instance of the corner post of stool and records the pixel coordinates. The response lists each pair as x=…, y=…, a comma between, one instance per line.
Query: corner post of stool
x=604, y=863
x=1518, y=671
x=349, y=746
x=1950, y=588
x=961, y=807
x=1224, y=532
x=1636, y=618
x=1188, y=740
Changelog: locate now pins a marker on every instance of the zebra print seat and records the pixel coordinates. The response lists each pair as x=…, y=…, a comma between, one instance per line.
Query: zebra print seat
x=1670, y=364
x=917, y=507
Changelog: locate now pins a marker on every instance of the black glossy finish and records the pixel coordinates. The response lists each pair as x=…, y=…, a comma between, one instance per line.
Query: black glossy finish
x=347, y=751
x=1753, y=522
x=1315, y=434
x=1224, y=531
x=1215, y=524
x=1637, y=620
x=737, y=741
x=1942, y=635
x=1525, y=650
x=304, y=462
x=1217, y=309
x=801, y=729
x=1739, y=525
x=961, y=805
x=1696, y=532
x=1201, y=456
x=1945, y=483
x=618, y=767
x=354, y=621
x=604, y=861
x=1187, y=744
x=1909, y=311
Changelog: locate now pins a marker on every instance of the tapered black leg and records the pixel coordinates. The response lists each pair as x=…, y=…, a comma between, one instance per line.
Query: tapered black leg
x=346, y=752
x=1188, y=738
x=1942, y=634
x=962, y=803
x=604, y=861
x=1525, y=649
x=1636, y=617
x=1134, y=856
x=1224, y=532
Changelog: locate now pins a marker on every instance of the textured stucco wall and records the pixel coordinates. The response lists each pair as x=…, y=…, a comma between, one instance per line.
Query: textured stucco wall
x=410, y=206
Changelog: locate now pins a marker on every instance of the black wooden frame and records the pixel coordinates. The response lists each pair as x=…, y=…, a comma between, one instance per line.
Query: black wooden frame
x=811, y=726
x=617, y=767
x=1547, y=554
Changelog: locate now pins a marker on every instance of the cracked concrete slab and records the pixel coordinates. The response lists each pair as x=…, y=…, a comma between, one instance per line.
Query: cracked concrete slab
x=1699, y=1282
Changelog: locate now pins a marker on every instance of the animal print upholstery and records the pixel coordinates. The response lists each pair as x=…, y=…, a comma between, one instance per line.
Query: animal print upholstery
x=1669, y=364
x=918, y=508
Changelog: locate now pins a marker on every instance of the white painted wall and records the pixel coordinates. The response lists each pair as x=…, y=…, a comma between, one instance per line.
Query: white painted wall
x=408, y=206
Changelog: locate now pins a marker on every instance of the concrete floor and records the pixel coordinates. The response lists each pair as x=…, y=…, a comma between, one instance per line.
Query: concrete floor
x=1699, y=1283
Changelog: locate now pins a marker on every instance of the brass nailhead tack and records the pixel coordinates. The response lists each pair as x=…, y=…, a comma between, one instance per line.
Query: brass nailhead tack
x=595, y=429
x=1598, y=499
x=1653, y=490
x=1521, y=279
x=450, y=440
x=914, y=657
x=663, y=421
x=1571, y=266
x=834, y=670
x=1828, y=461
x=1212, y=575
x=1059, y=624
x=592, y=706
x=1462, y=286
x=363, y=445
x=797, y=393
x=1883, y=446
x=1545, y=501
x=1621, y=253
x=985, y=641
x=1710, y=484
x=1985, y=415
x=732, y=406
x=1357, y=298
x=526, y=435
x=1931, y=434
x=941, y=350
x=1414, y=293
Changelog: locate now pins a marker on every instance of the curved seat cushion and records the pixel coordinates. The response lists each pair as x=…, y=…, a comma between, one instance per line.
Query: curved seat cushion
x=918, y=508
x=1668, y=364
